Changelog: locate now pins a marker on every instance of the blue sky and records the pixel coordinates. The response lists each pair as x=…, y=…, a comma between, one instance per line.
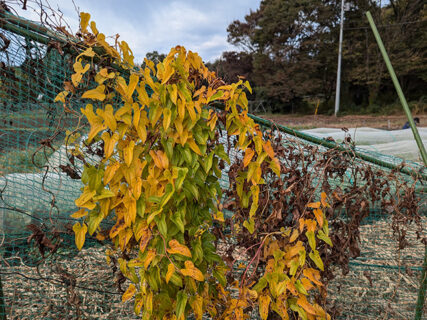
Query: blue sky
x=147, y=25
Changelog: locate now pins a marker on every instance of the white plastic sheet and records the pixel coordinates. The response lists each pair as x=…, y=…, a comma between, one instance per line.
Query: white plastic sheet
x=397, y=143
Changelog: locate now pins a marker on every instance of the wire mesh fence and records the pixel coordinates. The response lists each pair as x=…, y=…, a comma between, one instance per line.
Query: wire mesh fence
x=43, y=275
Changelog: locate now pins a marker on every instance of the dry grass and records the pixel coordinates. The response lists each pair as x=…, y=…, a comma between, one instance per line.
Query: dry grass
x=382, y=286
x=322, y=121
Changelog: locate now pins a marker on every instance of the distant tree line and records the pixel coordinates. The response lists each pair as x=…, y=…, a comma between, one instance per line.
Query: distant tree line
x=288, y=50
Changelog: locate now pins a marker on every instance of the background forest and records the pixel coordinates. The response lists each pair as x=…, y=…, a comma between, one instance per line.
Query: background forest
x=288, y=51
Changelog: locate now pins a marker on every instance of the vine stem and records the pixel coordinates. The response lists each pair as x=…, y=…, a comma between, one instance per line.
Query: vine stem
x=252, y=260
x=166, y=254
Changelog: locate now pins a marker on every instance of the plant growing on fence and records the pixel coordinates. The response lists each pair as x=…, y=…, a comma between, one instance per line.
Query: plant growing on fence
x=158, y=177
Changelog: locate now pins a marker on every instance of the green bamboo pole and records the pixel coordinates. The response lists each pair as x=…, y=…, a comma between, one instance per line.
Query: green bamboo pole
x=398, y=89
x=423, y=285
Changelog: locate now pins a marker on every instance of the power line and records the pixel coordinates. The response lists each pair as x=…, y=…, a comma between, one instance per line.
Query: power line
x=387, y=25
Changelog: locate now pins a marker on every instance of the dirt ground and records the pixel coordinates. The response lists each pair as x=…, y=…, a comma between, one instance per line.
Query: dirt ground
x=321, y=121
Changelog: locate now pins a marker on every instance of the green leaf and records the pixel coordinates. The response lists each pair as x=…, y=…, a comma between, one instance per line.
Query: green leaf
x=177, y=220
x=186, y=153
x=325, y=227
x=250, y=225
x=94, y=176
x=181, y=303
x=216, y=96
x=220, y=277
x=169, y=148
x=152, y=279
x=191, y=188
x=262, y=283
x=95, y=218
x=294, y=267
x=314, y=255
x=311, y=239
x=197, y=251
x=296, y=308
x=322, y=236
x=161, y=225
x=169, y=191
x=176, y=280
x=182, y=173
x=300, y=287
x=219, y=151
x=140, y=206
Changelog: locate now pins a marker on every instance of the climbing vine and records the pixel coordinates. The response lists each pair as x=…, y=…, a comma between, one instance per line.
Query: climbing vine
x=161, y=138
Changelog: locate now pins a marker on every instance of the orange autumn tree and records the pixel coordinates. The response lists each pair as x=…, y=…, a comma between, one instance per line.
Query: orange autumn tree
x=158, y=178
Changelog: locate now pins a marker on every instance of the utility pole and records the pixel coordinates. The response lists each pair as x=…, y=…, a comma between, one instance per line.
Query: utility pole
x=338, y=88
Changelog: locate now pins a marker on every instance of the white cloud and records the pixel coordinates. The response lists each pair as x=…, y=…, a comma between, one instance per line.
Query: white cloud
x=147, y=25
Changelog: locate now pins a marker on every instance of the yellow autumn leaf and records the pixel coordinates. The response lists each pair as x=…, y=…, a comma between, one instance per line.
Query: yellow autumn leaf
x=124, y=237
x=87, y=53
x=181, y=108
x=80, y=234
x=129, y=293
x=196, y=304
x=85, y=197
x=294, y=235
x=275, y=166
x=130, y=205
x=109, y=118
x=219, y=216
x=193, y=145
x=319, y=216
x=323, y=199
x=169, y=70
x=307, y=284
x=294, y=250
x=61, y=96
x=160, y=159
x=128, y=153
x=149, y=302
x=145, y=239
x=264, y=304
x=95, y=94
x=133, y=82
x=171, y=271
x=79, y=214
x=268, y=149
x=150, y=256
x=141, y=130
x=84, y=21
x=109, y=143
x=110, y=171
x=117, y=228
x=313, y=275
x=139, y=302
x=249, y=153
x=93, y=27
x=177, y=248
x=190, y=107
x=173, y=92
x=303, y=302
x=314, y=205
x=191, y=271
x=167, y=114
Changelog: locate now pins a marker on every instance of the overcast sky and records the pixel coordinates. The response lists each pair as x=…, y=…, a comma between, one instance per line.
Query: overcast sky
x=148, y=25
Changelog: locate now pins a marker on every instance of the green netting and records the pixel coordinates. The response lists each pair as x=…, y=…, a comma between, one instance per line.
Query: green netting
x=383, y=282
